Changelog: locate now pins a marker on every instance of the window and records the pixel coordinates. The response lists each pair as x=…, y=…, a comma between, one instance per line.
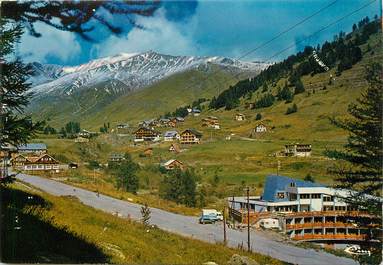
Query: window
x=293, y=196
x=315, y=196
x=328, y=198
x=280, y=195
x=304, y=196
x=292, y=184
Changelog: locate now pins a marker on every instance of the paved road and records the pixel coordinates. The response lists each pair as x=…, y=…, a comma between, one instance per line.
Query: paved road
x=188, y=225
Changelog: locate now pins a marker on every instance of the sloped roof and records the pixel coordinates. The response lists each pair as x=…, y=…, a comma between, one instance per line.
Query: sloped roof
x=175, y=147
x=32, y=146
x=276, y=184
x=169, y=162
x=170, y=133
x=193, y=131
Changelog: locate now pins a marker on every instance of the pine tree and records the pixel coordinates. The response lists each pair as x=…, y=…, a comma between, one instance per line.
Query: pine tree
x=299, y=88
x=16, y=128
x=362, y=157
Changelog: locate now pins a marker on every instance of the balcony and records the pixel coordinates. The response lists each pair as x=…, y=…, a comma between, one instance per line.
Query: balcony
x=319, y=225
x=329, y=237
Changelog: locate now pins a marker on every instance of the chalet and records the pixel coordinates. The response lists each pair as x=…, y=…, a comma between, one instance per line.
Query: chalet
x=172, y=123
x=211, y=122
x=80, y=139
x=171, y=136
x=240, y=117
x=172, y=164
x=300, y=150
x=35, y=148
x=148, y=123
x=175, y=148
x=146, y=134
x=163, y=122
x=260, y=128
x=116, y=158
x=43, y=162
x=190, y=136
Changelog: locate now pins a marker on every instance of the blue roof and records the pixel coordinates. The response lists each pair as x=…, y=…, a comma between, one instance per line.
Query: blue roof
x=170, y=133
x=276, y=184
x=33, y=146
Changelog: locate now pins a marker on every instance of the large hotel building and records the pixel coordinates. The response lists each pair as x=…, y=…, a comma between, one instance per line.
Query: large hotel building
x=306, y=211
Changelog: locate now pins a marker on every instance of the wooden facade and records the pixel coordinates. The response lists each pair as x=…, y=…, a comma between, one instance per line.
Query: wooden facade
x=190, y=136
x=44, y=162
x=146, y=134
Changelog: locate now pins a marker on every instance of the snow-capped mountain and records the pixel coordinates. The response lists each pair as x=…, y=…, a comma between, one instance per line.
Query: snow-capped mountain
x=124, y=72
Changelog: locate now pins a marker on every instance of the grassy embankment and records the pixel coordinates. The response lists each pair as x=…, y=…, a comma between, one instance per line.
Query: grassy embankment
x=89, y=235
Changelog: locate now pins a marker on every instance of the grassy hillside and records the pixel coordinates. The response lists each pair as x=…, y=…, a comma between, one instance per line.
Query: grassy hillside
x=118, y=240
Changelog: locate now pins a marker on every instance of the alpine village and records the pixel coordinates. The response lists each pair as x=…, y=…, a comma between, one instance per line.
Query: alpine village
x=220, y=162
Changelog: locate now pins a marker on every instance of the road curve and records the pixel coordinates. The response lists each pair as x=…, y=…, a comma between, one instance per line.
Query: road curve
x=188, y=225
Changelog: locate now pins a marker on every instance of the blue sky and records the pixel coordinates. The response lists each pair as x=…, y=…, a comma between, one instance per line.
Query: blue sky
x=202, y=28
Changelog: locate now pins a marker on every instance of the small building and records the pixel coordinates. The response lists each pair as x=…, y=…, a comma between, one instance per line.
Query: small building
x=146, y=134
x=171, y=136
x=249, y=105
x=172, y=164
x=122, y=126
x=116, y=158
x=35, y=148
x=175, y=148
x=260, y=128
x=240, y=117
x=190, y=136
x=196, y=112
x=300, y=150
x=86, y=134
x=80, y=139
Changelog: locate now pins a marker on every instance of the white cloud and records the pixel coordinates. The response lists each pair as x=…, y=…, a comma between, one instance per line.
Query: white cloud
x=52, y=43
x=159, y=35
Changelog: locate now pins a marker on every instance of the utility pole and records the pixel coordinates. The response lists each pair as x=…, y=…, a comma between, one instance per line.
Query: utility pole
x=224, y=226
x=278, y=167
x=248, y=218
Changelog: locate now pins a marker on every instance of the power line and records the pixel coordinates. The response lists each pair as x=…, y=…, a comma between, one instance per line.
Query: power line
x=272, y=39
x=287, y=30
x=316, y=32
x=322, y=29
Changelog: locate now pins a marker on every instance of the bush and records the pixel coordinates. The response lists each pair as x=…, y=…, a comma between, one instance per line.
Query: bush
x=258, y=116
x=299, y=88
x=292, y=109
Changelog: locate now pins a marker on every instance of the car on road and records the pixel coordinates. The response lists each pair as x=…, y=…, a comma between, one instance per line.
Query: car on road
x=207, y=219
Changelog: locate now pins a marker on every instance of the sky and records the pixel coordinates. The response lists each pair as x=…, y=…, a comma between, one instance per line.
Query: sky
x=229, y=28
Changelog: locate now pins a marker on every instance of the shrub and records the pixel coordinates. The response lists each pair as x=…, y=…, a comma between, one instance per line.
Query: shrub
x=292, y=109
x=258, y=116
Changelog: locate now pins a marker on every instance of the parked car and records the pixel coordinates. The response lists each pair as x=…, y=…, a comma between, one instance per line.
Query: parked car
x=210, y=216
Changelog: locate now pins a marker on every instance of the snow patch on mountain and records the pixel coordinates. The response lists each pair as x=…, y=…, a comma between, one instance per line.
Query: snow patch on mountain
x=124, y=72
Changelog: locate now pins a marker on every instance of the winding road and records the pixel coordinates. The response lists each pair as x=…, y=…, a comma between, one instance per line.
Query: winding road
x=189, y=226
